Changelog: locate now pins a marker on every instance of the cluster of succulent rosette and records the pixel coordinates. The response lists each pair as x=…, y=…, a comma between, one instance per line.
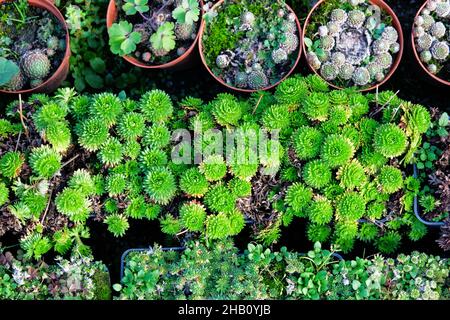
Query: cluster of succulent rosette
x=155, y=32
x=355, y=45
x=251, y=44
x=332, y=163
x=432, y=35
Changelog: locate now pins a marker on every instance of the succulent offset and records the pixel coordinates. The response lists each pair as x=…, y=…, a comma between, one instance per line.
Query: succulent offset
x=355, y=47
x=432, y=37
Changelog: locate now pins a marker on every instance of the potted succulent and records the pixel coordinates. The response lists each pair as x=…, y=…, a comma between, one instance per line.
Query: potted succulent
x=154, y=34
x=34, y=41
x=250, y=45
x=431, y=40
x=432, y=168
x=353, y=43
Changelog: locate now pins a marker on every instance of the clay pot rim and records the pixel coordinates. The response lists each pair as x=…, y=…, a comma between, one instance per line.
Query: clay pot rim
x=56, y=13
x=416, y=54
x=110, y=19
x=200, y=47
x=396, y=24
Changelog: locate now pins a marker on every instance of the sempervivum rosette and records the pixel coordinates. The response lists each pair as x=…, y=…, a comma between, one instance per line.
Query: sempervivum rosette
x=351, y=43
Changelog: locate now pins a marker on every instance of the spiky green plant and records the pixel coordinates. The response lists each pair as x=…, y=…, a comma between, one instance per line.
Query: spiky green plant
x=4, y=193
x=93, y=132
x=375, y=210
x=390, y=140
x=318, y=233
x=220, y=199
x=390, y=179
x=115, y=184
x=156, y=136
x=106, y=107
x=316, y=106
x=345, y=234
x=320, y=211
x=111, y=152
x=307, y=142
x=137, y=208
x=156, y=106
x=316, y=174
x=298, y=196
x=367, y=128
x=194, y=183
x=389, y=242
x=49, y=114
x=35, y=201
x=336, y=150
x=244, y=169
x=11, y=164
x=83, y=182
x=316, y=83
x=276, y=117
x=236, y=222
x=368, y=232
x=170, y=225
x=45, y=162
x=73, y=204
x=117, y=224
x=213, y=167
x=131, y=149
x=351, y=206
x=35, y=245
x=58, y=134
x=352, y=175
x=227, y=111
x=428, y=203
x=292, y=91
x=240, y=188
x=217, y=226
x=193, y=216
x=160, y=185
x=150, y=158
x=131, y=126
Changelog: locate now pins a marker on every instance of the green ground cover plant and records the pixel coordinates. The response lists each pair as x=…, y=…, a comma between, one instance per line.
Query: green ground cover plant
x=260, y=273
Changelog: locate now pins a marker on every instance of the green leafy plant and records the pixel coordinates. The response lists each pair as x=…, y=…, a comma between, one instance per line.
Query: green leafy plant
x=8, y=70
x=122, y=38
x=164, y=37
x=131, y=7
x=187, y=11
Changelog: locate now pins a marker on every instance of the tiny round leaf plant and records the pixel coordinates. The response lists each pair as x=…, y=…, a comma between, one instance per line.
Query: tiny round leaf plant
x=431, y=41
x=353, y=43
x=154, y=34
x=34, y=41
x=250, y=45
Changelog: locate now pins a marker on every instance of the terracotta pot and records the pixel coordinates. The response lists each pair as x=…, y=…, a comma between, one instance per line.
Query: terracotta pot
x=182, y=62
x=423, y=67
x=395, y=23
x=200, y=46
x=60, y=74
